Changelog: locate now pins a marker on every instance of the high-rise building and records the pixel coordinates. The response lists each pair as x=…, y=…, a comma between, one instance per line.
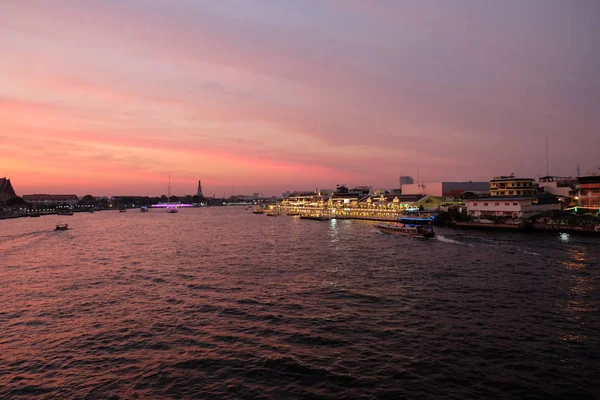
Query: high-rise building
x=6, y=190
x=406, y=180
x=199, y=194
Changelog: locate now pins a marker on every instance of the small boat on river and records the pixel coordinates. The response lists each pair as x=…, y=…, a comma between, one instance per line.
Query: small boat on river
x=418, y=227
x=61, y=227
x=143, y=209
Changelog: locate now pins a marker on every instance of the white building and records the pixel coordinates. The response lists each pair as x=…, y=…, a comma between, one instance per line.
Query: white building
x=50, y=199
x=557, y=185
x=442, y=189
x=511, y=207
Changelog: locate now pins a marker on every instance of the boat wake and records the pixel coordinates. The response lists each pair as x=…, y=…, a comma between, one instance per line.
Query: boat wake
x=486, y=243
x=19, y=241
x=8, y=238
x=444, y=239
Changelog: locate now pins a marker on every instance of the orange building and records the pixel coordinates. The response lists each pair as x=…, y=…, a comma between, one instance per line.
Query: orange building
x=589, y=191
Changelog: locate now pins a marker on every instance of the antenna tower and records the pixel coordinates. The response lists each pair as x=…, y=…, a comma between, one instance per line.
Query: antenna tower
x=547, y=169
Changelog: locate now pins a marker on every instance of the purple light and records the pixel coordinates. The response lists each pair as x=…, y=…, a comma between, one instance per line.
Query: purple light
x=165, y=205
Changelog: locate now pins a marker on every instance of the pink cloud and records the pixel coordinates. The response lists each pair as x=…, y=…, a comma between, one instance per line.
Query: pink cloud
x=450, y=90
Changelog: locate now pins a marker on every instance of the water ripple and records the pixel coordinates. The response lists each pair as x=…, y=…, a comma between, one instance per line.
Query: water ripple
x=222, y=303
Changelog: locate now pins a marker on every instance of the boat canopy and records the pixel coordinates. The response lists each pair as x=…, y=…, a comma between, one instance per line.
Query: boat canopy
x=415, y=221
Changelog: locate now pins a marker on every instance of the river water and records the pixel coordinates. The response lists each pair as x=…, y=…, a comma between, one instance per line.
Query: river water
x=222, y=303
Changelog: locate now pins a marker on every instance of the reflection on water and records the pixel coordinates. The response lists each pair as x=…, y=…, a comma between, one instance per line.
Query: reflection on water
x=565, y=237
x=578, y=253
x=223, y=303
x=581, y=301
x=333, y=230
x=576, y=258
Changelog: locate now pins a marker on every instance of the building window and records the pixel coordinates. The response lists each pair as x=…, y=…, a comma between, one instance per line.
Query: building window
x=485, y=204
x=507, y=204
x=497, y=204
x=515, y=204
x=474, y=204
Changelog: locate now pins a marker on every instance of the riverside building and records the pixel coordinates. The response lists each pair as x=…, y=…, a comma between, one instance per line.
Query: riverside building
x=511, y=186
x=511, y=207
x=51, y=199
x=557, y=185
x=444, y=189
x=511, y=200
x=588, y=195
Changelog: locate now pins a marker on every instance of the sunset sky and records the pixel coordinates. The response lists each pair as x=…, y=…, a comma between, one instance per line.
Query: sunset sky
x=110, y=96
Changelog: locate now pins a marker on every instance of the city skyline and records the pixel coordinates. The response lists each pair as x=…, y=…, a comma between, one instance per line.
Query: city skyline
x=110, y=97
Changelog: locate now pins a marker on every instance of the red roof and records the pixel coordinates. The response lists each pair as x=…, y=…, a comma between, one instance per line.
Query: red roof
x=6, y=189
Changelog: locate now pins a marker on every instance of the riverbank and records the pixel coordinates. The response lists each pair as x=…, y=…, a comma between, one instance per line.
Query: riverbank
x=35, y=214
x=577, y=225
x=593, y=230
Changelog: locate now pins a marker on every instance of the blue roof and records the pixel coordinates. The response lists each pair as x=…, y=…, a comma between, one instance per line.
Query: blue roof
x=416, y=219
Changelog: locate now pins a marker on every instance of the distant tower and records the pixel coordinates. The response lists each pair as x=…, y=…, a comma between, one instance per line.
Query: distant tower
x=199, y=194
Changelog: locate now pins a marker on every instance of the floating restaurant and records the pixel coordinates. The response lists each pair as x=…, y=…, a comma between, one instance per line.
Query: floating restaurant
x=356, y=203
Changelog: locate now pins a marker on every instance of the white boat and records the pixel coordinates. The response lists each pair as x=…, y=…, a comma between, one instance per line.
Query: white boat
x=419, y=227
x=171, y=208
